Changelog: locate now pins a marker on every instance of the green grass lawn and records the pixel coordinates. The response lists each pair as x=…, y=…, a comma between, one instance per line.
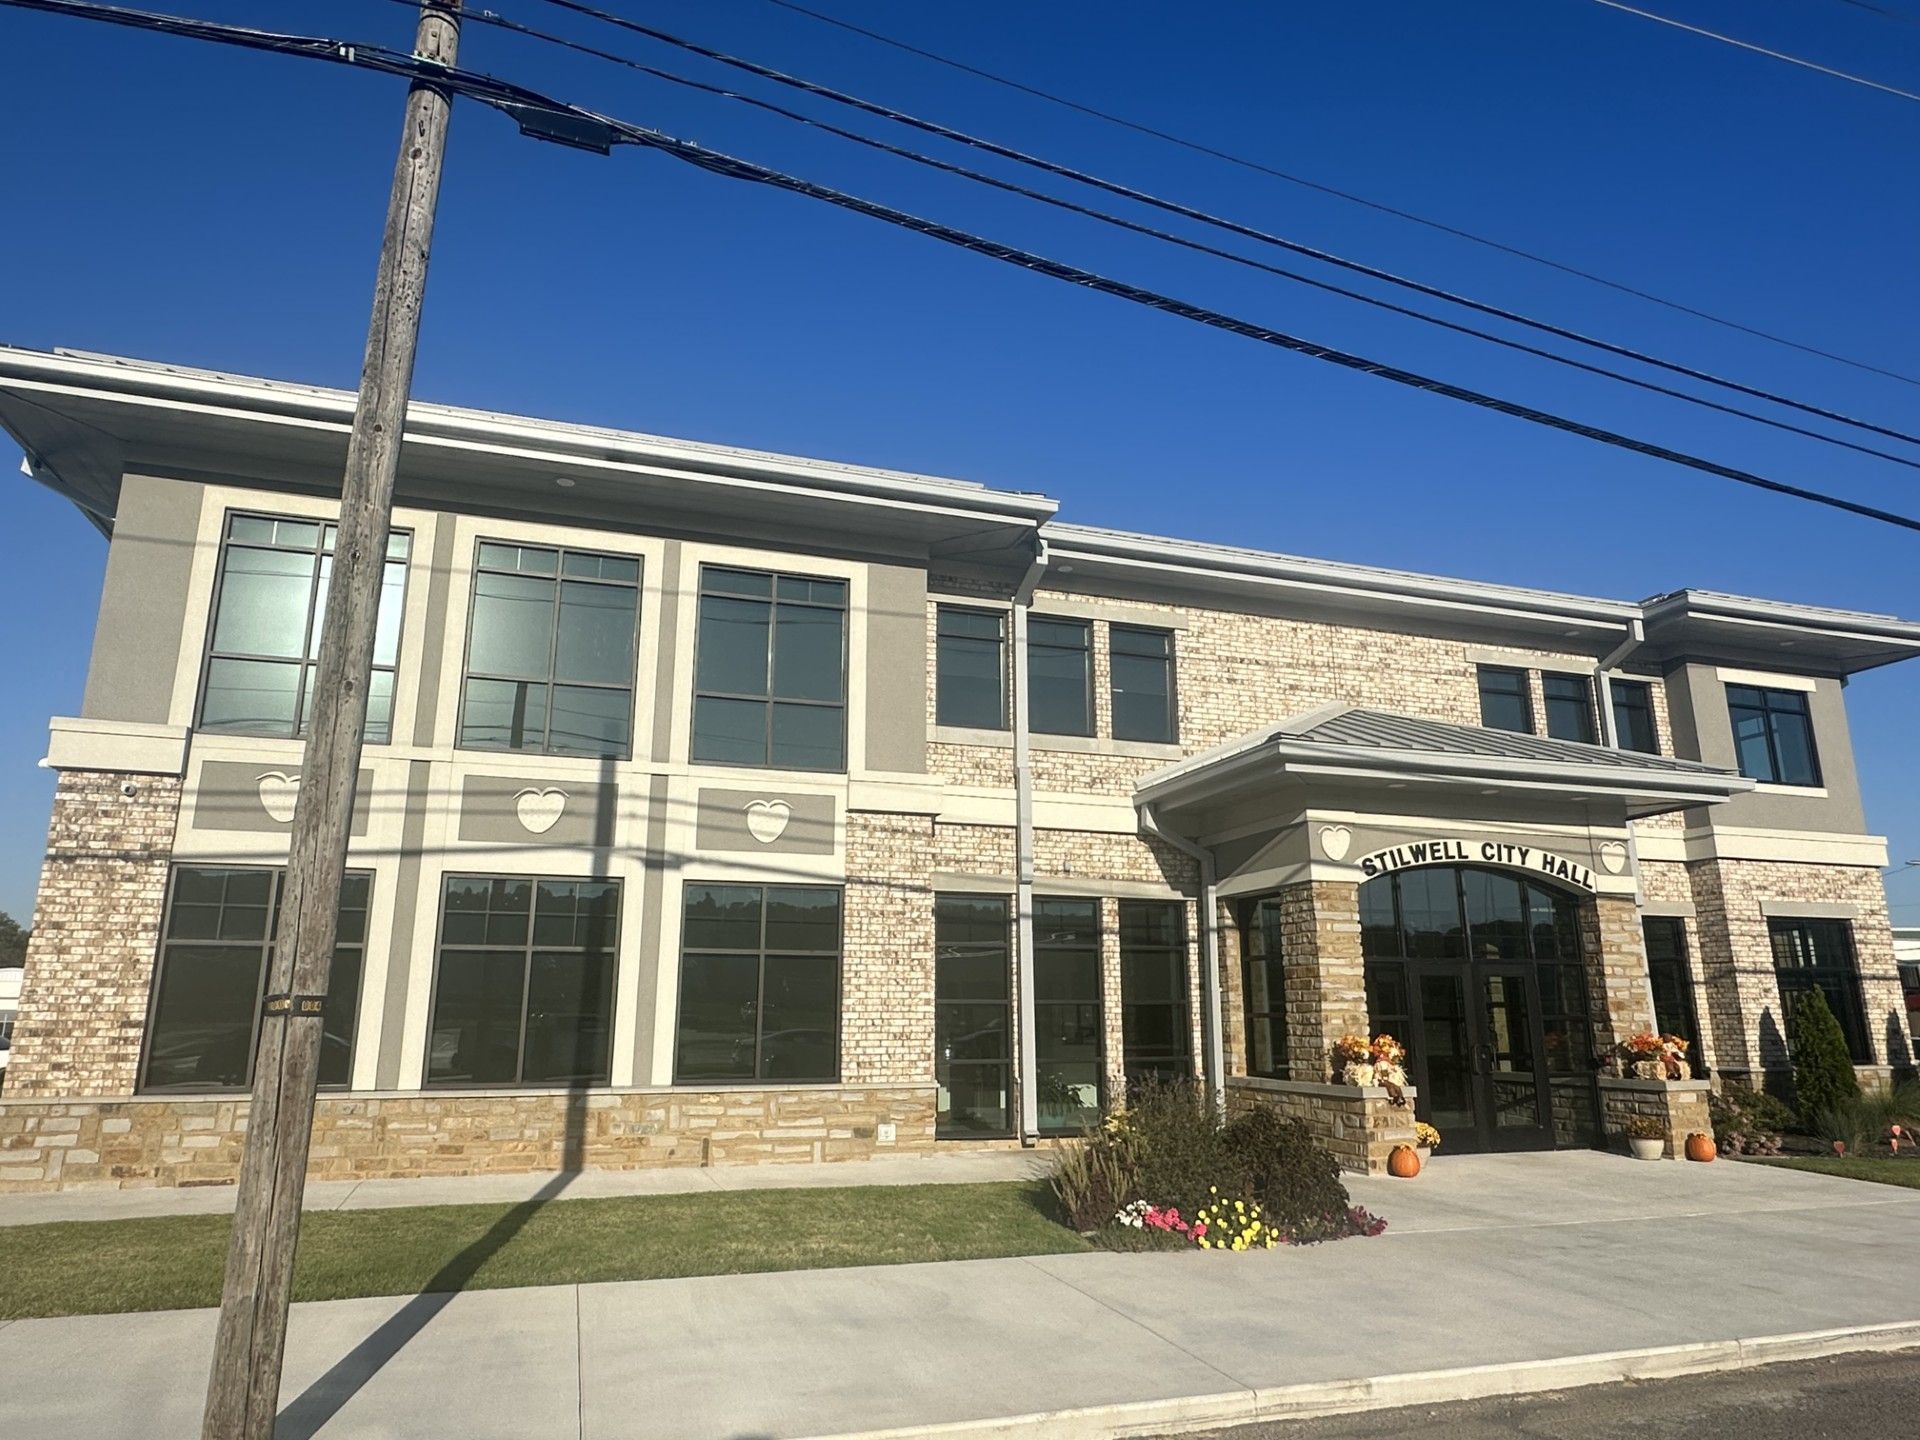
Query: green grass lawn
x=1881, y=1169
x=170, y=1263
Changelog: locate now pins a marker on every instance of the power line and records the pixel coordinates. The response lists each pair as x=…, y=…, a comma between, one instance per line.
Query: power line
x=1188, y=212
x=499, y=21
x=547, y=118
x=1804, y=64
x=1201, y=148
x=1900, y=15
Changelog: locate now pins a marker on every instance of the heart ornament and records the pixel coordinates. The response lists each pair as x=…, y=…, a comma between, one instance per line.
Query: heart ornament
x=278, y=792
x=1335, y=841
x=539, y=810
x=1613, y=855
x=767, y=819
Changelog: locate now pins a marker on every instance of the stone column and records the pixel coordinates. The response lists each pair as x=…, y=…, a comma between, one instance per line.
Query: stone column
x=1325, y=979
x=96, y=930
x=1615, y=950
x=1113, y=1078
x=886, y=985
x=1233, y=1013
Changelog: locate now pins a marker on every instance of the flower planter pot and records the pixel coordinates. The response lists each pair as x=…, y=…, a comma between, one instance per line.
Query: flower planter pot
x=1646, y=1149
x=1425, y=1152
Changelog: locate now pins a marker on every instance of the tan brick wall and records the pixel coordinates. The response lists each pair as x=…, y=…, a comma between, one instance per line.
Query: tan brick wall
x=129, y=1143
x=1325, y=974
x=1615, y=950
x=887, y=967
x=83, y=999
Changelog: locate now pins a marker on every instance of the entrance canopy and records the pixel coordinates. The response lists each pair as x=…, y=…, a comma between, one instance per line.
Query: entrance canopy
x=1342, y=755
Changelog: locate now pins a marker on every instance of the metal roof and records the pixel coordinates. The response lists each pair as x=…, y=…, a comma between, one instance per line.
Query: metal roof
x=1382, y=730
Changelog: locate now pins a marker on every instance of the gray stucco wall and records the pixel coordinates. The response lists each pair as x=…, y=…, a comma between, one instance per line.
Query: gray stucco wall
x=897, y=668
x=1703, y=730
x=143, y=601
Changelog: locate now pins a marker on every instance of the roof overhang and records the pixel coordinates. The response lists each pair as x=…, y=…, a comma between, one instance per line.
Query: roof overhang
x=1771, y=634
x=83, y=420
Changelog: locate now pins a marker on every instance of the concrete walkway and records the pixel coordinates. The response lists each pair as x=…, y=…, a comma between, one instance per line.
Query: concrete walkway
x=949, y=1168
x=1488, y=1262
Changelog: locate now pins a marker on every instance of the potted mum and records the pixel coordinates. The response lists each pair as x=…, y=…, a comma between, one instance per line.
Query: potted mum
x=1646, y=1137
x=1426, y=1140
x=1379, y=1061
x=1648, y=1056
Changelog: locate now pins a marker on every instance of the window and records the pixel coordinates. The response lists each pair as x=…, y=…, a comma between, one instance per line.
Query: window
x=550, y=652
x=972, y=1046
x=759, y=984
x=1059, y=677
x=1672, y=984
x=524, y=994
x=1263, y=990
x=265, y=644
x=1569, y=701
x=770, y=672
x=1142, y=664
x=1157, y=1035
x=1773, y=735
x=1818, y=955
x=970, y=668
x=1068, y=1025
x=1633, y=716
x=215, y=954
x=1506, y=703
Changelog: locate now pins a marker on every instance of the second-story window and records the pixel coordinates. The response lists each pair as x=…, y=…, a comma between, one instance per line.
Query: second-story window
x=550, y=652
x=1633, y=716
x=770, y=671
x=1143, y=707
x=1059, y=676
x=265, y=643
x=1773, y=735
x=1506, y=703
x=1569, y=701
x=970, y=668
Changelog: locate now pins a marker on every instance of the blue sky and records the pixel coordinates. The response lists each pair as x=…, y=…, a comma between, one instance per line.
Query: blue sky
x=210, y=207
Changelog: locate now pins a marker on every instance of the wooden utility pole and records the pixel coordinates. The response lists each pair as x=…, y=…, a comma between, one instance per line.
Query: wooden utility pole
x=243, y=1394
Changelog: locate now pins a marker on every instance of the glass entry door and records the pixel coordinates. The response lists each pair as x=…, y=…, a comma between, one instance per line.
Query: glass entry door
x=1477, y=1056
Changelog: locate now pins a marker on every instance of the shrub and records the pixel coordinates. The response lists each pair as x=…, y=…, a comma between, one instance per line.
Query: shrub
x=1842, y=1128
x=1823, y=1077
x=1295, y=1181
x=1092, y=1180
x=1748, y=1121
x=1182, y=1154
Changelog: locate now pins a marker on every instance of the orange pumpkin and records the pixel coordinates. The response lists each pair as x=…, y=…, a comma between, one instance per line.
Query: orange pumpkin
x=1701, y=1147
x=1403, y=1162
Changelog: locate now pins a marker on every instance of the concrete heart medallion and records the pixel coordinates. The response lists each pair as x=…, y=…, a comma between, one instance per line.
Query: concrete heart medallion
x=1613, y=855
x=767, y=819
x=1335, y=841
x=539, y=810
x=278, y=792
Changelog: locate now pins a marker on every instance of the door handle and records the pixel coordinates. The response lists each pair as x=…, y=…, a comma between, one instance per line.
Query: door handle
x=1483, y=1058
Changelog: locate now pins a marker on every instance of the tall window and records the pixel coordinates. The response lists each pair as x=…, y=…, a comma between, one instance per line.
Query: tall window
x=770, y=672
x=524, y=994
x=1263, y=990
x=550, y=652
x=1633, y=716
x=1059, y=676
x=972, y=1048
x=214, y=958
x=970, y=668
x=759, y=984
x=1068, y=1029
x=1153, y=991
x=1773, y=735
x=1818, y=955
x=1506, y=702
x=1672, y=983
x=265, y=645
x=1569, y=701
x=1142, y=663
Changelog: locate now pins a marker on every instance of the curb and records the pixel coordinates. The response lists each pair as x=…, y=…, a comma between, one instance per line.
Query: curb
x=1419, y=1387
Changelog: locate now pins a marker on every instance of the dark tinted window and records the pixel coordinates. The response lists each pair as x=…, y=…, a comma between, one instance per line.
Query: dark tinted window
x=1818, y=955
x=1569, y=702
x=265, y=642
x=972, y=1052
x=1264, y=991
x=970, y=668
x=759, y=984
x=1068, y=1028
x=1060, y=677
x=1142, y=665
x=524, y=993
x=770, y=671
x=1633, y=716
x=1773, y=735
x=550, y=652
x=1505, y=703
x=212, y=974
x=1154, y=1013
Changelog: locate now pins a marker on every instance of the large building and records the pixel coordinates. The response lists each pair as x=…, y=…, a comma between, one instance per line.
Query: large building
x=725, y=806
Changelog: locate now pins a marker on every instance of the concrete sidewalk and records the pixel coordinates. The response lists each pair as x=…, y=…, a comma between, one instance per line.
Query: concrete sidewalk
x=966, y=1167
x=1496, y=1262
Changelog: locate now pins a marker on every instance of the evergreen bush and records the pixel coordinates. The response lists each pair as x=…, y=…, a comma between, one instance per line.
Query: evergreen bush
x=1823, y=1078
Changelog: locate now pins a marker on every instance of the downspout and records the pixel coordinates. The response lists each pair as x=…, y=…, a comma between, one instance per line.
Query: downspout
x=1210, y=1017
x=1023, y=845
x=1610, y=728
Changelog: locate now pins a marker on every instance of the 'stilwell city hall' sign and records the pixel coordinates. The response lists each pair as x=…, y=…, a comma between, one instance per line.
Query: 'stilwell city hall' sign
x=1484, y=852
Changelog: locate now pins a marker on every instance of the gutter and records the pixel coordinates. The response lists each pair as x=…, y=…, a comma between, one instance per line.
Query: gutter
x=1023, y=845
x=1610, y=728
x=1210, y=1015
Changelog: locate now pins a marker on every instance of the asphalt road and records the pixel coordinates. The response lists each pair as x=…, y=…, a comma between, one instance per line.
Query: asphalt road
x=1849, y=1397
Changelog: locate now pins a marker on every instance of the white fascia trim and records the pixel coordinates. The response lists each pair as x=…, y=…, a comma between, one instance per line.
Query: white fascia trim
x=1768, y=679
x=78, y=743
x=1865, y=625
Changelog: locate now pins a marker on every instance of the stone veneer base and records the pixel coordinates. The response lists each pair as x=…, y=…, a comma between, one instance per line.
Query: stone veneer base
x=1680, y=1105
x=1359, y=1125
x=138, y=1141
